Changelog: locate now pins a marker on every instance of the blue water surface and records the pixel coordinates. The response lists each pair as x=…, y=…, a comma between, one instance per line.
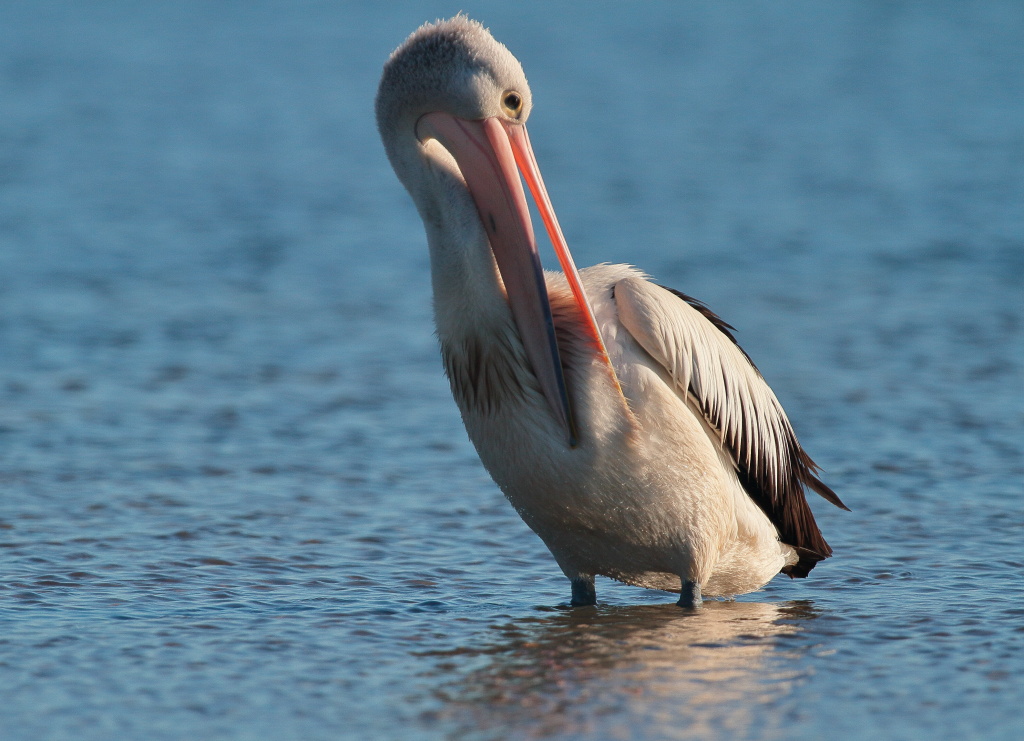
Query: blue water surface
x=236, y=499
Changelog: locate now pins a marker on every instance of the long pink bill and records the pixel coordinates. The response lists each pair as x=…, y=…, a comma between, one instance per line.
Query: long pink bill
x=487, y=152
x=523, y=151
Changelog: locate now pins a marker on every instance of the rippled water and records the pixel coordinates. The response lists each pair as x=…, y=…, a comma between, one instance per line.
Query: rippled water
x=236, y=500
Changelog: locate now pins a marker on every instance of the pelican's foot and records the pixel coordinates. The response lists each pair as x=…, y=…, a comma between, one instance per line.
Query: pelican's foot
x=689, y=595
x=583, y=592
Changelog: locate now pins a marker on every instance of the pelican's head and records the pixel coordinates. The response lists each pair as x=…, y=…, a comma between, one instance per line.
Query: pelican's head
x=456, y=67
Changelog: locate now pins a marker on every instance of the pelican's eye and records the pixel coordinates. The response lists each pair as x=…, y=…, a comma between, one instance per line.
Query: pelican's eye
x=512, y=104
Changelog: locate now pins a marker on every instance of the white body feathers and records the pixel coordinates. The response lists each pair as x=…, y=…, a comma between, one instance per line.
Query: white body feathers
x=646, y=499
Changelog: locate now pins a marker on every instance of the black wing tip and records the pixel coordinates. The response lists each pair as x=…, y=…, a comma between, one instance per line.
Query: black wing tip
x=809, y=477
x=799, y=570
x=827, y=494
x=808, y=559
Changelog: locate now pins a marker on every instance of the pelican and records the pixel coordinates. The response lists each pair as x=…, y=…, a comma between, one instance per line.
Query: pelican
x=620, y=418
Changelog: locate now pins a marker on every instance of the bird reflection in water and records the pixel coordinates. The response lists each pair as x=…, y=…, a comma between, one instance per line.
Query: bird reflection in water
x=644, y=671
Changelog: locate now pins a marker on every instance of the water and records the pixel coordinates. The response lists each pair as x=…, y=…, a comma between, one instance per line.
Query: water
x=237, y=501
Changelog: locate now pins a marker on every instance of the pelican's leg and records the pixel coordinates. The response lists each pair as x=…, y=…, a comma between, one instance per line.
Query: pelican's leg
x=689, y=595
x=583, y=592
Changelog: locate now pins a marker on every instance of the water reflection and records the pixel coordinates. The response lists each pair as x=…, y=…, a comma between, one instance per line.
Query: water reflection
x=605, y=670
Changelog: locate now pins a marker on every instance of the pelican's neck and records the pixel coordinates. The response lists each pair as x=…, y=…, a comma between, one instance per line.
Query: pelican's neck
x=469, y=297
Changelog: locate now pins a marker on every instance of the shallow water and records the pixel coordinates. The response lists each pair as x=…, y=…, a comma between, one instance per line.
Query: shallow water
x=236, y=500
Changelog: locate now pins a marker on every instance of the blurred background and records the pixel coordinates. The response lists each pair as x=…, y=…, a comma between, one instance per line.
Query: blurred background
x=236, y=499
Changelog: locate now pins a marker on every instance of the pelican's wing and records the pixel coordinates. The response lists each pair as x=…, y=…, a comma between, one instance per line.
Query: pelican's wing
x=701, y=356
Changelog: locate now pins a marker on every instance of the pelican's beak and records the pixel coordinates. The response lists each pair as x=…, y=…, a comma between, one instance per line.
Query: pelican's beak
x=487, y=153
